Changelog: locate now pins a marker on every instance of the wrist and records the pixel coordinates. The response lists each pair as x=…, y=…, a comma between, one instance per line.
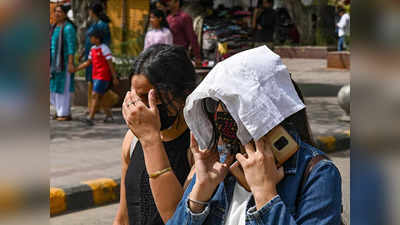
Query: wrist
x=263, y=197
x=150, y=139
x=201, y=192
x=196, y=207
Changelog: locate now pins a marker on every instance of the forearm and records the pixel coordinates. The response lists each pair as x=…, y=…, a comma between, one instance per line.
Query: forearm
x=319, y=201
x=122, y=200
x=184, y=215
x=83, y=65
x=165, y=196
x=195, y=48
x=191, y=36
x=71, y=59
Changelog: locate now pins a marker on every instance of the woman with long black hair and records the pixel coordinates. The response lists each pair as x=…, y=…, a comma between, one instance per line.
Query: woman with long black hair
x=160, y=33
x=155, y=157
x=62, y=51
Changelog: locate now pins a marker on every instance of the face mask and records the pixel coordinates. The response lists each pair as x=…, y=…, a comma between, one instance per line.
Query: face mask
x=227, y=129
x=165, y=119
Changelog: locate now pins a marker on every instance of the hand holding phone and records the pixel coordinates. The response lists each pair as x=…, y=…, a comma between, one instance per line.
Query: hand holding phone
x=282, y=145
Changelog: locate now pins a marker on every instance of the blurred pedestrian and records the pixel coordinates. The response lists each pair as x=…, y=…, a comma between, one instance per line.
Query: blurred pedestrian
x=160, y=33
x=181, y=26
x=99, y=21
x=103, y=72
x=62, y=51
x=343, y=28
x=264, y=21
x=160, y=161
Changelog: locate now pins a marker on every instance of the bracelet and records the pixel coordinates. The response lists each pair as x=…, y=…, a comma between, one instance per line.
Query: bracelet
x=159, y=173
x=198, y=202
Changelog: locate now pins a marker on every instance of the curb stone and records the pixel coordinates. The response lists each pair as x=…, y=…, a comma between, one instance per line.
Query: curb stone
x=337, y=142
x=83, y=196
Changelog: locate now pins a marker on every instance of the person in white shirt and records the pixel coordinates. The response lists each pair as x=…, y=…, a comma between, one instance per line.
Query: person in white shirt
x=343, y=28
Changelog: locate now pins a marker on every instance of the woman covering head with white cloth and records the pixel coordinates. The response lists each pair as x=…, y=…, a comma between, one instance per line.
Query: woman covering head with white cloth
x=235, y=111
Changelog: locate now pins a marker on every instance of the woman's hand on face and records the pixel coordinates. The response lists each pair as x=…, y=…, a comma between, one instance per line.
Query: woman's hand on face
x=209, y=171
x=143, y=121
x=261, y=172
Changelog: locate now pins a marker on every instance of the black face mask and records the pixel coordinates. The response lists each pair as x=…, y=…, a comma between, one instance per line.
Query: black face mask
x=166, y=121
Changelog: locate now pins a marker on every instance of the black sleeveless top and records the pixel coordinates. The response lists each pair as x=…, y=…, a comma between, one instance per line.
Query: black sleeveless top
x=142, y=209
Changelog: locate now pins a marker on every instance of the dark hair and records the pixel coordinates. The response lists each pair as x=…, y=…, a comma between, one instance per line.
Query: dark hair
x=98, y=10
x=97, y=33
x=168, y=68
x=154, y=4
x=261, y=3
x=297, y=122
x=65, y=8
x=160, y=14
x=340, y=10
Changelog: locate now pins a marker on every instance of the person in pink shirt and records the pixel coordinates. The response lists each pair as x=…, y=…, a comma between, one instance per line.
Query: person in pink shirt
x=159, y=34
x=181, y=26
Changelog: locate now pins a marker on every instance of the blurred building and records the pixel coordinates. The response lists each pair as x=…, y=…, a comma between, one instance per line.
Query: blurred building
x=129, y=20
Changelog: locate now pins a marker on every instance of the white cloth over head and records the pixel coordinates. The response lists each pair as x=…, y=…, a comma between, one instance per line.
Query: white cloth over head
x=255, y=87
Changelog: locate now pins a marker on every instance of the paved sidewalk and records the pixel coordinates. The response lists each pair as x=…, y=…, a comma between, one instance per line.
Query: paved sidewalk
x=314, y=71
x=79, y=152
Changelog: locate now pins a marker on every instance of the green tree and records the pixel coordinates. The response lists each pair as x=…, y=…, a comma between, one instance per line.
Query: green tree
x=303, y=18
x=314, y=21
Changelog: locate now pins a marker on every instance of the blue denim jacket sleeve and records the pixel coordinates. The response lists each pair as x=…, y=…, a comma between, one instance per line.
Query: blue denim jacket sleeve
x=183, y=215
x=319, y=203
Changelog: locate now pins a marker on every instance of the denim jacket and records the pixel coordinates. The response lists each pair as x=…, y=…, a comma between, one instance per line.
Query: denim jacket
x=317, y=201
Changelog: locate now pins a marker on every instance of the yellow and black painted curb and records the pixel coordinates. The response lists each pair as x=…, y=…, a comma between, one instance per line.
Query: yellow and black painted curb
x=83, y=196
x=334, y=143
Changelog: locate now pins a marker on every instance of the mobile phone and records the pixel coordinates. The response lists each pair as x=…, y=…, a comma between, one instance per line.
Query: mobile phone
x=283, y=146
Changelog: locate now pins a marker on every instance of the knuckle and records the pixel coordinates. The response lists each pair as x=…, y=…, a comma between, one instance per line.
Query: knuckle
x=269, y=156
x=260, y=157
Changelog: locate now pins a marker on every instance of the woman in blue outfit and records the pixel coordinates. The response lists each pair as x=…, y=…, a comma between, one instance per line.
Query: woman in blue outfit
x=100, y=22
x=62, y=51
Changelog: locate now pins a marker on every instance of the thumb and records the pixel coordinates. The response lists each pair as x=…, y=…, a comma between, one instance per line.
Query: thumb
x=152, y=100
x=193, y=144
x=241, y=159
